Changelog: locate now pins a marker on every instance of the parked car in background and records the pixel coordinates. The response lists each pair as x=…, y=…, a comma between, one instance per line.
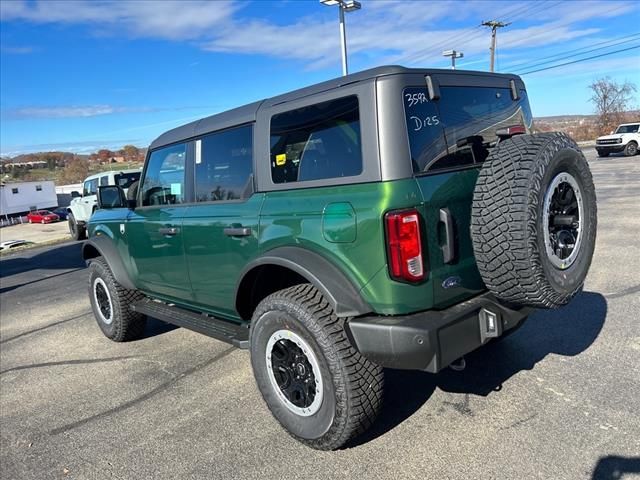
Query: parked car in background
x=83, y=206
x=42, y=216
x=61, y=212
x=626, y=138
x=13, y=244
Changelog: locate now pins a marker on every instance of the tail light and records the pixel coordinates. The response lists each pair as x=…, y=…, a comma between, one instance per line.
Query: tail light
x=404, y=246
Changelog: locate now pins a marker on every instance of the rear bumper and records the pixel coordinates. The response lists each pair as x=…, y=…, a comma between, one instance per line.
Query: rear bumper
x=431, y=340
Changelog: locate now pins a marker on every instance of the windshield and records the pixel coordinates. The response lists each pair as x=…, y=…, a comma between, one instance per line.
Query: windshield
x=125, y=180
x=458, y=129
x=628, y=128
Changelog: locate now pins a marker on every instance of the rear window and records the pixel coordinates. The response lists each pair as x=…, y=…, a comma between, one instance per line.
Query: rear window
x=459, y=129
x=317, y=142
x=125, y=180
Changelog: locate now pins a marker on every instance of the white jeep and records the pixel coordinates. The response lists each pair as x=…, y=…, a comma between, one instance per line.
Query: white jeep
x=625, y=139
x=81, y=208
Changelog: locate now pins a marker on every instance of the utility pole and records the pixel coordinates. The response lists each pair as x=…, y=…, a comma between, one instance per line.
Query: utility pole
x=494, y=25
x=453, y=54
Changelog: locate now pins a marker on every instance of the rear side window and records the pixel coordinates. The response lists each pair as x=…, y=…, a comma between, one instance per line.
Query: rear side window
x=125, y=180
x=104, y=181
x=224, y=164
x=459, y=129
x=164, y=179
x=317, y=142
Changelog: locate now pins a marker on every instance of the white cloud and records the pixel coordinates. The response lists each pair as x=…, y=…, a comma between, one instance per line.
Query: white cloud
x=14, y=50
x=188, y=19
x=85, y=111
x=72, y=111
x=384, y=31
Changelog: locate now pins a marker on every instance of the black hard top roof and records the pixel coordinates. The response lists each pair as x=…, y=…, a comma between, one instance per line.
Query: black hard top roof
x=248, y=113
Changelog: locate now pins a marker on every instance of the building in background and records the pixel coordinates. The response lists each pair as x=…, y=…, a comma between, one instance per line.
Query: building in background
x=22, y=197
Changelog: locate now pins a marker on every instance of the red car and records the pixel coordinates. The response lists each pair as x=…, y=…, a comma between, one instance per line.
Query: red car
x=42, y=216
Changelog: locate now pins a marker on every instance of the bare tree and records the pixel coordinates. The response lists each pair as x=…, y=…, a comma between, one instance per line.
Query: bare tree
x=612, y=100
x=75, y=171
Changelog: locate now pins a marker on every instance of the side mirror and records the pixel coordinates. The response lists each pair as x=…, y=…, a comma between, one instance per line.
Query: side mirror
x=75, y=194
x=111, y=196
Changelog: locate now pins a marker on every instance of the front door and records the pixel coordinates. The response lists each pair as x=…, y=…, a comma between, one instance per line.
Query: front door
x=154, y=228
x=221, y=227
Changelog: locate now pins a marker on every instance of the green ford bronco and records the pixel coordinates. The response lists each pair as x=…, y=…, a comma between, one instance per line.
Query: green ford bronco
x=396, y=218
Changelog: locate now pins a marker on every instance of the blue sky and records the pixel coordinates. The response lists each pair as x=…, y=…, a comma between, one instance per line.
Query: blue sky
x=81, y=75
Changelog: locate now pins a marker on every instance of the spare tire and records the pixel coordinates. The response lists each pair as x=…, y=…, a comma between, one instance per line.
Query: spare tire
x=533, y=222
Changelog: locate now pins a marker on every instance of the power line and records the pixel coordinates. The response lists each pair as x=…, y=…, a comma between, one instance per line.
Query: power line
x=581, y=60
x=566, y=24
x=468, y=34
x=527, y=63
x=530, y=65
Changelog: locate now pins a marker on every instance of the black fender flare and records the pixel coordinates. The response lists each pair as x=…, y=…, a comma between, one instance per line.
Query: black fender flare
x=103, y=246
x=339, y=291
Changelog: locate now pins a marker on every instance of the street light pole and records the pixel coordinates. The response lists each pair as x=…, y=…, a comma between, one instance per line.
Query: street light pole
x=343, y=42
x=453, y=54
x=343, y=6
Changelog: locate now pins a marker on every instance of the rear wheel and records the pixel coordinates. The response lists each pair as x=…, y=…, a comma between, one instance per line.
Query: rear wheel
x=631, y=149
x=534, y=220
x=111, y=304
x=78, y=232
x=320, y=389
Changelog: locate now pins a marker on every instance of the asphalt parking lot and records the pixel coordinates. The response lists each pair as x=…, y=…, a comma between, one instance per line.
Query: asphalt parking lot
x=559, y=399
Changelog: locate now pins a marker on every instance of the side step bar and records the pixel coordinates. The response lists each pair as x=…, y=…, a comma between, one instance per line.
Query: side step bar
x=237, y=335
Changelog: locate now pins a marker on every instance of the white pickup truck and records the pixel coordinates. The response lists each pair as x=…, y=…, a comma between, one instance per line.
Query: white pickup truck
x=81, y=208
x=625, y=139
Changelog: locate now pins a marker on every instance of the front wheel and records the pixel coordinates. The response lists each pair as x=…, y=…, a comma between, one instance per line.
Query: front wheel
x=320, y=389
x=111, y=304
x=631, y=149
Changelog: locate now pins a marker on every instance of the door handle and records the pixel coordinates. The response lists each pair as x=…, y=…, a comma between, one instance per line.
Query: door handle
x=449, y=248
x=169, y=231
x=237, y=231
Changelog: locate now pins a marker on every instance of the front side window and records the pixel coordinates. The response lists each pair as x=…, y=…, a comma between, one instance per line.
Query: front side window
x=90, y=187
x=316, y=142
x=224, y=164
x=14, y=191
x=164, y=179
x=459, y=129
x=38, y=188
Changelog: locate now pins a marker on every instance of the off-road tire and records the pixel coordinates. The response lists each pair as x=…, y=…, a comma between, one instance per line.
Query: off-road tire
x=507, y=220
x=78, y=232
x=124, y=324
x=352, y=385
x=631, y=149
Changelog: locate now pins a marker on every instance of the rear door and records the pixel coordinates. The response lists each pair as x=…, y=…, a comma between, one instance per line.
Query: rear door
x=449, y=139
x=154, y=228
x=221, y=227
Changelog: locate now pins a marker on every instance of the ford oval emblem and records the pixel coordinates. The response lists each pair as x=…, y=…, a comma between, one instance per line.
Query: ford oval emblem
x=451, y=282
